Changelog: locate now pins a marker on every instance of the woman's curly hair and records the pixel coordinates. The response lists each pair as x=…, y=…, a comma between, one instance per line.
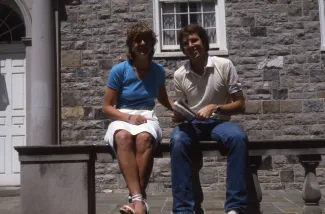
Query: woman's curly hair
x=136, y=31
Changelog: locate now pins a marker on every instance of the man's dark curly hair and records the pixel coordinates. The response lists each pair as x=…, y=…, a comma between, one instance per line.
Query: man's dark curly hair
x=141, y=30
x=194, y=28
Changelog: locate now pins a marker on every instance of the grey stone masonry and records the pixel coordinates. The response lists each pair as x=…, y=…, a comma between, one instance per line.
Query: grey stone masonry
x=275, y=47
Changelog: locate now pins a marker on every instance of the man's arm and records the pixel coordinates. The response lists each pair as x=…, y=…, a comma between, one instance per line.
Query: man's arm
x=237, y=106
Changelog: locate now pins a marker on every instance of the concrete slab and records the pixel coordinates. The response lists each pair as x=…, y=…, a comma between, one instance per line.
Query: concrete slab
x=274, y=202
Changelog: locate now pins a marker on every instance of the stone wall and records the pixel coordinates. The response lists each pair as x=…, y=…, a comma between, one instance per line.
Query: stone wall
x=275, y=46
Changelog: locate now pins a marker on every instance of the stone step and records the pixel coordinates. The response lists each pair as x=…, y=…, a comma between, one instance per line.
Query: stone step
x=9, y=191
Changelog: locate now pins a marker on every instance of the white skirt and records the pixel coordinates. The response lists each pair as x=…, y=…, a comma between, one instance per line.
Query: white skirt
x=151, y=126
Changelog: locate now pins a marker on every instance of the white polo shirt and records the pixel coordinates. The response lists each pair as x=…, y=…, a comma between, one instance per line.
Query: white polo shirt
x=218, y=81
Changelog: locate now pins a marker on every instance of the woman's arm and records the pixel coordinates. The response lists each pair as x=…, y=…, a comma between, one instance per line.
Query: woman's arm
x=108, y=108
x=164, y=99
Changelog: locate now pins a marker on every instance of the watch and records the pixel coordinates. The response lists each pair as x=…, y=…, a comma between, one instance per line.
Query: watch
x=218, y=109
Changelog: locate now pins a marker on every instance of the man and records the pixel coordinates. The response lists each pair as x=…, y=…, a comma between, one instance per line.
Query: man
x=211, y=88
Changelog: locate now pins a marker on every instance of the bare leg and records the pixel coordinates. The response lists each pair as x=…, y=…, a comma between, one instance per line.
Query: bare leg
x=127, y=161
x=144, y=158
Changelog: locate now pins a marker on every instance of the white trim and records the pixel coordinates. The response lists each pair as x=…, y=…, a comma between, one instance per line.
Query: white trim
x=156, y=24
x=183, y=0
x=12, y=48
x=221, y=26
x=322, y=23
x=165, y=50
x=181, y=54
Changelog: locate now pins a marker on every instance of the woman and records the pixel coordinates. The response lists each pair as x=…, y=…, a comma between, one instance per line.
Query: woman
x=129, y=99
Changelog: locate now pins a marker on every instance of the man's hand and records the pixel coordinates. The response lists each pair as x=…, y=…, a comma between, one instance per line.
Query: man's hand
x=137, y=119
x=206, y=112
x=176, y=117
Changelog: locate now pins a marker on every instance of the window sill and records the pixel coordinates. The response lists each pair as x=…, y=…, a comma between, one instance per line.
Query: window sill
x=180, y=54
x=322, y=48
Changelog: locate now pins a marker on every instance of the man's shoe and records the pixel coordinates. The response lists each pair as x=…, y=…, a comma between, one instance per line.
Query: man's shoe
x=232, y=212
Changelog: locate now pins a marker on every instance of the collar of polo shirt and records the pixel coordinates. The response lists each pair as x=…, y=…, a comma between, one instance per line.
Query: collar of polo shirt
x=210, y=64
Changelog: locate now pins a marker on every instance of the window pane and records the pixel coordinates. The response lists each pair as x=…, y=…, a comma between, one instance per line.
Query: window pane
x=169, y=37
x=181, y=7
x=209, y=20
x=181, y=20
x=12, y=27
x=212, y=35
x=196, y=19
x=168, y=7
x=208, y=6
x=195, y=7
x=168, y=22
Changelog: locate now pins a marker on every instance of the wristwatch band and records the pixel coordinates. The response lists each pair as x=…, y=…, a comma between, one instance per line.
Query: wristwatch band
x=218, y=109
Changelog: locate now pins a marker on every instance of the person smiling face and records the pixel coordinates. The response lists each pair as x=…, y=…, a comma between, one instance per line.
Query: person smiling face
x=140, y=41
x=142, y=45
x=193, y=46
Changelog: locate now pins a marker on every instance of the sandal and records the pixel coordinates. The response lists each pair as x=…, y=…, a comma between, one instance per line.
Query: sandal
x=140, y=198
x=130, y=197
x=127, y=209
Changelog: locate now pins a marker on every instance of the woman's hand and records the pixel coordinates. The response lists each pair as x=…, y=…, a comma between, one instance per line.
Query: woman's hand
x=137, y=119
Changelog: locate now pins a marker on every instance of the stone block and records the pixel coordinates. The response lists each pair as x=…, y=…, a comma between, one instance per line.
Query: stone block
x=247, y=21
x=258, y=32
x=72, y=113
x=295, y=10
x=317, y=76
x=271, y=75
x=120, y=6
x=313, y=105
x=287, y=176
x=106, y=14
x=253, y=107
x=271, y=107
x=270, y=186
x=317, y=129
x=208, y=175
x=105, y=64
x=70, y=58
x=291, y=106
x=57, y=180
x=99, y=115
x=280, y=94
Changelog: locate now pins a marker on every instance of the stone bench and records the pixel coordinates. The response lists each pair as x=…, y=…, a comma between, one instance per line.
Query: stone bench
x=61, y=178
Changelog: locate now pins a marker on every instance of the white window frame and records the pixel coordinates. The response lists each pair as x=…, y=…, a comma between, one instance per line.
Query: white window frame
x=322, y=23
x=215, y=49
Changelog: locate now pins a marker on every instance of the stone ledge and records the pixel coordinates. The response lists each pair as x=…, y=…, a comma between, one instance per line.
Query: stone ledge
x=210, y=148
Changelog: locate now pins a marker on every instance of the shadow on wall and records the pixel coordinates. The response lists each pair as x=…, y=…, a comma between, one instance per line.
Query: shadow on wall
x=4, y=99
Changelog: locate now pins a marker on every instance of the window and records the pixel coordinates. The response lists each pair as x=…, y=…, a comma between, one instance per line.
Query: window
x=12, y=28
x=322, y=23
x=171, y=15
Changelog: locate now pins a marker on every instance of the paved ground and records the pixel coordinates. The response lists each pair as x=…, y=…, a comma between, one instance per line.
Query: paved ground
x=274, y=202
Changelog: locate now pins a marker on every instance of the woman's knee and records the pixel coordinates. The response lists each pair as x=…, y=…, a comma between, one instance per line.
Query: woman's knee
x=123, y=140
x=144, y=142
